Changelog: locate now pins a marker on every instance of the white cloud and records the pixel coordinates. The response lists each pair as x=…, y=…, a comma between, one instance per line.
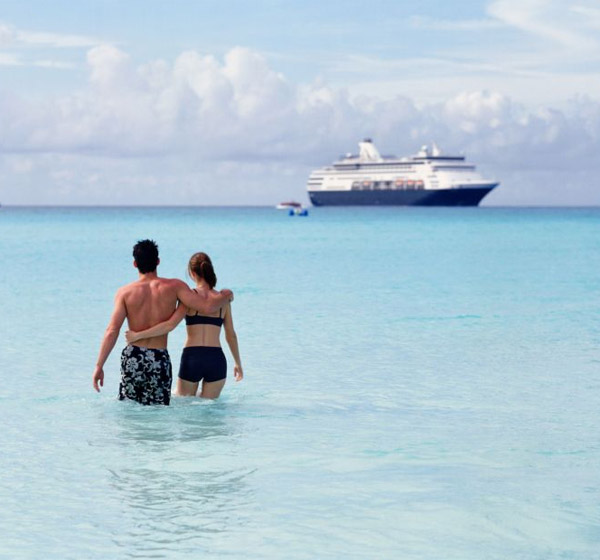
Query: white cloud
x=571, y=26
x=202, y=130
x=55, y=64
x=54, y=40
x=9, y=60
x=591, y=15
x=424, y=22
x=24, y=47
x=6, y=34
x=21, y=164
x=14, y=37
x=109, y=67
x=548, y=19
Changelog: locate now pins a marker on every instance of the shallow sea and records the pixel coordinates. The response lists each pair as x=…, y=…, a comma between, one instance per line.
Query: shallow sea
x=420, y=384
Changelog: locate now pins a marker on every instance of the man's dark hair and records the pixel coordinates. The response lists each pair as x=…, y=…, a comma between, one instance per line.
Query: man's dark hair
x=145, y=254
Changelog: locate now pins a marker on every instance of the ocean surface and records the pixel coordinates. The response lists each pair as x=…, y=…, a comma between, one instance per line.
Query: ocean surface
x=419, y=384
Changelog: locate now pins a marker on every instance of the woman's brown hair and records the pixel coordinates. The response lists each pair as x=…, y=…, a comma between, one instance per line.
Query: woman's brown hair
x=201, y=265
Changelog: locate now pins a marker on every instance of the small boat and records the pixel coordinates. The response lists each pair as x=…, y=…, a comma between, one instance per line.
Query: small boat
x=298, y=211
x=288, y=205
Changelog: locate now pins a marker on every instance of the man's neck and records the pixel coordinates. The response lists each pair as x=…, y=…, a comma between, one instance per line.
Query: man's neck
x=147, y=276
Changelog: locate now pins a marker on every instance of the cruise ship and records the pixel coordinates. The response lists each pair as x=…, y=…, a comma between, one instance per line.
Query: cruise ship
x=428, y=178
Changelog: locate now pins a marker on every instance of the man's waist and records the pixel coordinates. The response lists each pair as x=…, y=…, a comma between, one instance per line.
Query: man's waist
x=148, y=347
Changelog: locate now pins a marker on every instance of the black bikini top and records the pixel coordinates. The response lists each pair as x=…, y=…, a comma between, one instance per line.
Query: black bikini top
x=204, y=319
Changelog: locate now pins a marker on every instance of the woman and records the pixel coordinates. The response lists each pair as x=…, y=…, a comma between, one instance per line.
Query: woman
x=202, y=358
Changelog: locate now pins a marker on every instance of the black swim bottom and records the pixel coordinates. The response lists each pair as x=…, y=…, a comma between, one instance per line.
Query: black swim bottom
x=146, y=375
x=203, y=362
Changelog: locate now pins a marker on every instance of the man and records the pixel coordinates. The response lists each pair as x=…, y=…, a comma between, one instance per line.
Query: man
x=146, y=367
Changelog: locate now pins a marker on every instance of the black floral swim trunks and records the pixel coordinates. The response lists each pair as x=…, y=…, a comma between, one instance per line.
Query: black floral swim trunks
x=145, y=375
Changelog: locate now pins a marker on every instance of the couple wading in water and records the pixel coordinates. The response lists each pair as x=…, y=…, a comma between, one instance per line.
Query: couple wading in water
x=154, y=306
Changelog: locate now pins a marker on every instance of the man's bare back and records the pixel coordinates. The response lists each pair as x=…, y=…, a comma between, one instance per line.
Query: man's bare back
x=148, y=302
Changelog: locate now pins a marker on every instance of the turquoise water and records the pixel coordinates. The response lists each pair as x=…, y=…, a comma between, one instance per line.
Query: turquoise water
x=420, y=383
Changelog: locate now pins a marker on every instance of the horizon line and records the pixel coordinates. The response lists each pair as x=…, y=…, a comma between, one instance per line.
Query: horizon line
x=273, y=206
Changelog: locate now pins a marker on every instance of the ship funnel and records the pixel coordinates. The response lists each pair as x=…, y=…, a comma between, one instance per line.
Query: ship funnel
x=368, y=151
x=424, y=151
x=435, y=150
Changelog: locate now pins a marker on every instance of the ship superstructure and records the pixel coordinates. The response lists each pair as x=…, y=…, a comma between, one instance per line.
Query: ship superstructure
x=428, y=178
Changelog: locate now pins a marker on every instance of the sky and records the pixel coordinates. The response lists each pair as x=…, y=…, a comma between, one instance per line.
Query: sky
x=230, y=102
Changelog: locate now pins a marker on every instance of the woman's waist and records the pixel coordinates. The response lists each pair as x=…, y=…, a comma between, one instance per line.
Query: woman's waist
x=202, y=344
x=202, y=349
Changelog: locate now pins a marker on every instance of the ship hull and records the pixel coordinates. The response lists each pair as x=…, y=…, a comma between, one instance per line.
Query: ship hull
x=441, y=197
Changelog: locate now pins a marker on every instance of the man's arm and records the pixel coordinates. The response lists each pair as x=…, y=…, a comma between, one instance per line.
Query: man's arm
x=206, y=303
x=110, y=338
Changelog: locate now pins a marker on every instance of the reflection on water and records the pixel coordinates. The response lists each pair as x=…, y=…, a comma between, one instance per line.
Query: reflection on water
x=176, y=477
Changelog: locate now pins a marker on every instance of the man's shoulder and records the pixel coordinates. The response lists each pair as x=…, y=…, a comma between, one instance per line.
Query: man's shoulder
x=127, y=288
x=174, y=283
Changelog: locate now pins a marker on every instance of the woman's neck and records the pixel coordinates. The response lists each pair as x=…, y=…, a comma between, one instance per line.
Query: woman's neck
x=202, y=285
